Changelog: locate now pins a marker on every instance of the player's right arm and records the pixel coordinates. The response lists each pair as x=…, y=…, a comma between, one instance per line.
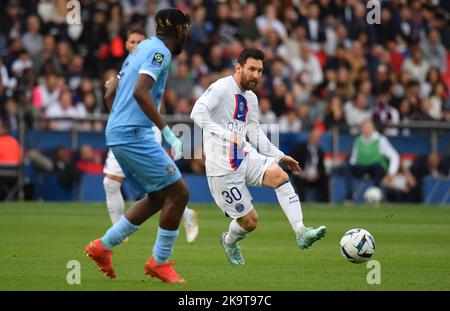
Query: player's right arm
x=201, y=114
x=141, y=93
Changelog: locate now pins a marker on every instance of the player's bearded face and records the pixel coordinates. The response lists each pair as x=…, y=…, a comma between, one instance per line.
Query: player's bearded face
x=251, y=73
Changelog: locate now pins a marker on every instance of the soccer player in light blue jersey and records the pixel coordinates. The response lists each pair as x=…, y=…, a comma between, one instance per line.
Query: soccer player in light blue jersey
x=114, y=175
x=145, y=163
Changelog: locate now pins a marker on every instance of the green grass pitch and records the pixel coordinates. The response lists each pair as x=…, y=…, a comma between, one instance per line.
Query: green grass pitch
x=412, y=246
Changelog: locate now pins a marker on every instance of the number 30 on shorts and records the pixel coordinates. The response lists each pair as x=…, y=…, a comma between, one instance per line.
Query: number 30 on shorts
x=233, y=195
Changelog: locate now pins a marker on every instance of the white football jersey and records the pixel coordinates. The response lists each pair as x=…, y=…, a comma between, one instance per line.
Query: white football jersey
x=224, y=109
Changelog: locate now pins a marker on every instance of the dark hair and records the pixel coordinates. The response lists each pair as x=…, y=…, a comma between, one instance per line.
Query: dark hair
x=136, y=31
x=250, y=53
x=171, y=22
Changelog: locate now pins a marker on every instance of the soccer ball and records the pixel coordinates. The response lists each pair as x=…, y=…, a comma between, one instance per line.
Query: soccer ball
x=357, y=245
x=373, y=195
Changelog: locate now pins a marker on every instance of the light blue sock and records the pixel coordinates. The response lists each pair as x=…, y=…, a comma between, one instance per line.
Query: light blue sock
x=164, y=244
x=117, y=233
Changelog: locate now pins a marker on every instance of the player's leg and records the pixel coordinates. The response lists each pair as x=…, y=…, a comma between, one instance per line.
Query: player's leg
x=190, y=216
x=190, y=220
x=175, y=198
x=100, y=249
x=114, y=199
x=237, y=231
x=277, y=179
x=232, y=196
x=112, y=182
x=263, y=171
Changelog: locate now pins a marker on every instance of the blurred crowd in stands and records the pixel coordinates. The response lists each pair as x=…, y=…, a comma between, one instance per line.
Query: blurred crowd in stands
x=325, y=65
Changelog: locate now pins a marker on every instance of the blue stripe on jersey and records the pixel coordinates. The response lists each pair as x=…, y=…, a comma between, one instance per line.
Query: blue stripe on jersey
x=237, y=155
x=241, y=108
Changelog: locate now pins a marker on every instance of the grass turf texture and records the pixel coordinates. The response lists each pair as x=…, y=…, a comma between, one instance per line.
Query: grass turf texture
x=412, y=245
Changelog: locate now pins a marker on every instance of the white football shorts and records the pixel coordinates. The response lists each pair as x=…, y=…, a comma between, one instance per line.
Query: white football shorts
x=230, y=191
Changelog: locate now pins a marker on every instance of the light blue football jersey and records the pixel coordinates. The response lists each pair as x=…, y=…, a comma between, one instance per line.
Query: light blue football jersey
x=127, y=122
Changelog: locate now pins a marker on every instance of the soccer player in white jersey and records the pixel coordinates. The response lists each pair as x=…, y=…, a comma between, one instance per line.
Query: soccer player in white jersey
x=114, y=175
x=228, y=112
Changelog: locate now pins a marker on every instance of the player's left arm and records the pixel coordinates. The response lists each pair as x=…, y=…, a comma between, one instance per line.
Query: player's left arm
x=111, y=87
x=259, y=140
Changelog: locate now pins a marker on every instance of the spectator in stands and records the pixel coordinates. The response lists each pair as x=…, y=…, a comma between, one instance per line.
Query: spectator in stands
x=424, y=113
x=88, y=107
x=62, y=109
x=438, y=97
x=431, y=165
x=384, y=114
x=10, y=153
x=303, y=113
x=401, y=186
x=434, y=51
x=279, y=97
x=334, y=114
x=373, y=155
x=64, y=166
x=307, y=67
x=416, y=66
x=289, y=122
x=310, y=157
x=88, y=161
x=248, y=30
x=266, y=115
x=32, y=40
x=315, y=29
x=356, y=112
x=10, y=157
x=46, y=94
x=182, y=83
x=269, y=21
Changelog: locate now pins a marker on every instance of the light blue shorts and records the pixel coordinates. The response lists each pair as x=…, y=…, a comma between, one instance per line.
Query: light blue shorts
x=146, y=166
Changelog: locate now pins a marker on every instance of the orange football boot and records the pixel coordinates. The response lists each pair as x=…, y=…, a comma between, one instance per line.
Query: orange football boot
x=164, y=271
x=102, y=257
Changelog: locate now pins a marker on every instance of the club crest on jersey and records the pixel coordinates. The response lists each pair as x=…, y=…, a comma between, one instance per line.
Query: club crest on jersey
x=170, y=169
x=239, y=207
x=157, y=59
x=241, y=108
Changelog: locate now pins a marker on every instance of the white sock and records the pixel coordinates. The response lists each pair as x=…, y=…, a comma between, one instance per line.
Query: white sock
x=114, y=199
x=290, y=203
x=235, y=233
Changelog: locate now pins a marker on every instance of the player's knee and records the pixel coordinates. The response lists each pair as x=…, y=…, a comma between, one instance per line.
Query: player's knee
x=280, y=178
x=181, y=196
x=111, y=186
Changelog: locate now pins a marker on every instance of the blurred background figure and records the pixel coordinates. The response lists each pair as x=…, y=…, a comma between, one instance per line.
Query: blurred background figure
x=372, y=155
x=10, y=158
x=400, y=186
x=312, y=181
